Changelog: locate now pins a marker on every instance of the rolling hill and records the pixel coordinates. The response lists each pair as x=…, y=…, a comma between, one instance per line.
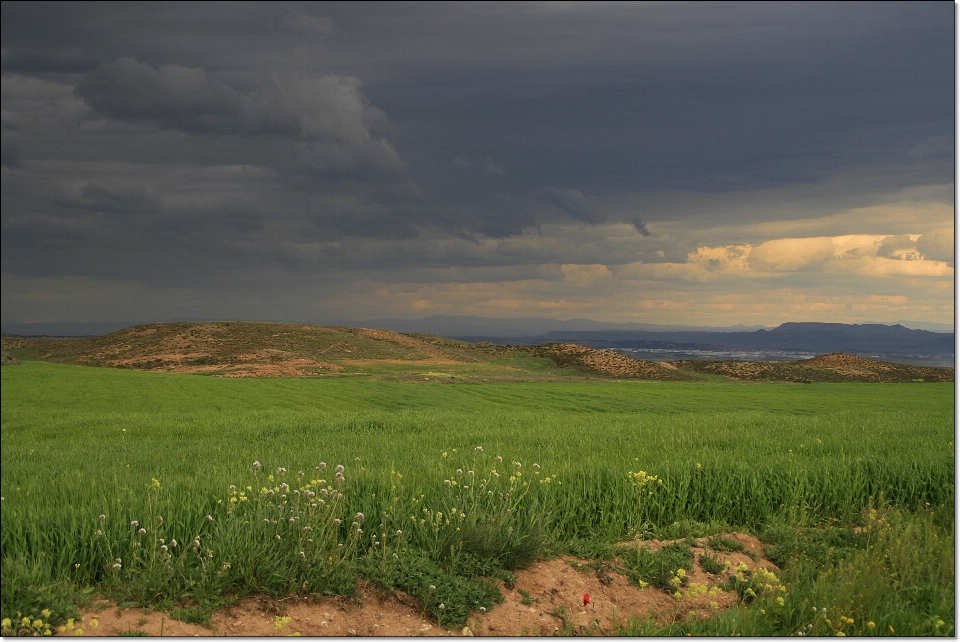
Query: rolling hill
x=242, y=349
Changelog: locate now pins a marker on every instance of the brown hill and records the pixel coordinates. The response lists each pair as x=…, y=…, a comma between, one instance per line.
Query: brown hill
x=237, y=349
x=242, y=349
x=836, y=367
x=606, y=362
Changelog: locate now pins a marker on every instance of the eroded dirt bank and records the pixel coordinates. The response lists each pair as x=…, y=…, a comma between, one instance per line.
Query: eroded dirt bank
x=545, y=599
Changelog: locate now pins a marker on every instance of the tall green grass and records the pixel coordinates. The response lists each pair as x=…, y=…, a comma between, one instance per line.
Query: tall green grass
x=82, y=442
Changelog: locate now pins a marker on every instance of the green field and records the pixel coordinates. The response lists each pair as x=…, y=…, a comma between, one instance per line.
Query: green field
x=792, y=463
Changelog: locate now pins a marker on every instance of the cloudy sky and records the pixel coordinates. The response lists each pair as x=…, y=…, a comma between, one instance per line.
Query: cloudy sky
x=703, y=164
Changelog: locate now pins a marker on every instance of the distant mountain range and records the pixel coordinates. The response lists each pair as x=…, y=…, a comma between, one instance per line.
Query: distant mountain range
x=785, y=342
x=452, y=325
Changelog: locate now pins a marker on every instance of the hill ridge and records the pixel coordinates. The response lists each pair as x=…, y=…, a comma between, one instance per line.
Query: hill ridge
x=271, y=349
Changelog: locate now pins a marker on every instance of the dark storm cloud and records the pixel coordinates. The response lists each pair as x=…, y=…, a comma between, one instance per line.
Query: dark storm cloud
x=176, y=96
x=640, y=226
x=687, y=96
x=643, y=97
x=179, y=141
x=186, y=98
x=114, y=200
x=9, y=156
x=573, y=202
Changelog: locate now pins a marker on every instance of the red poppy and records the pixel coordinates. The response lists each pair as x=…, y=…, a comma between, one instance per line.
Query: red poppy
x=586, y=599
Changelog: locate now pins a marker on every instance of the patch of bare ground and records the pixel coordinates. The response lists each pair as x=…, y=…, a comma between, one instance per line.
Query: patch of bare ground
x=545, y=599
x=841, y=360
x=239, y=349
x=751, y=370
x=836, y=368
x=409, y=342
x=869, y=370
x=264, y=363
x=400, y=362
x=604, y=362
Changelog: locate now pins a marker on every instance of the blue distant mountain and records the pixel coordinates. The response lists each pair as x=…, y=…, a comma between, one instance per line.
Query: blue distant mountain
x=874, y=341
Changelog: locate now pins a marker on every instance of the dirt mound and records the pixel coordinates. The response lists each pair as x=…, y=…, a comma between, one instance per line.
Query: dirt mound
x=841, y=360
x=858, y=368
x=235, y=349
x=605, y=362
x=545, y=599
x=426, y=347
x=832, y=368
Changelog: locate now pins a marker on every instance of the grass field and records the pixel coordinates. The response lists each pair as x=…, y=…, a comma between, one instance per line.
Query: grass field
x=792, y=463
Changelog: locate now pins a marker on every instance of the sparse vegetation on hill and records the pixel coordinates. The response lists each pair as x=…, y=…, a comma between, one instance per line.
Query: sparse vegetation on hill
x=832, y=368
x=238, y=349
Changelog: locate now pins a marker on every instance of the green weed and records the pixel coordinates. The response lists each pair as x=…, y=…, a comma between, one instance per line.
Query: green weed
x=724, y=544
x=666, y=568
x=711, y=564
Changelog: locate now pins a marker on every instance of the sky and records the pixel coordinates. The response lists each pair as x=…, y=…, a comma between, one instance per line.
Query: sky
x=673, y=163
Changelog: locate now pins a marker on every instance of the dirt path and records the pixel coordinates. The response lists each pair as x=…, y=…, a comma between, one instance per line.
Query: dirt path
x=545, y=599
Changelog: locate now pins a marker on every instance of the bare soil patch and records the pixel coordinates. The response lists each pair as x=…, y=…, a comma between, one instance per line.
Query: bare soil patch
x=835, y=368
x=400, y=362
x=605, y=362
x=409, y=342
x=545, y=599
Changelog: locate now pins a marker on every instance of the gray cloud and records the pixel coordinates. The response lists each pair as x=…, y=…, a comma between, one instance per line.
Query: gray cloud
x=328, y=108
x=9, y=156
x=898, y=247
x=574, y=203
x=275, y=144
x=176, y=96
x=938, y=245
x=640, y=226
